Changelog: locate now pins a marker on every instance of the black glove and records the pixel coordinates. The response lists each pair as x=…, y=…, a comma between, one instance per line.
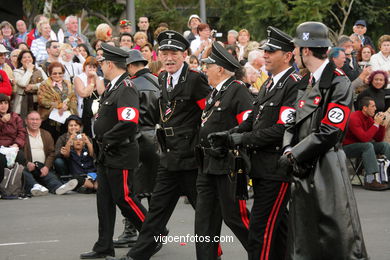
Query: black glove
x=219, y=139
x=299, y=170
x=234, y=140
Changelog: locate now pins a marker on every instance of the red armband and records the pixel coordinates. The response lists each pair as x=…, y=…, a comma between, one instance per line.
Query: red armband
x=286, y=115
x=336, y=115
x=128, y=114
x=201, y=103
x=241, y=117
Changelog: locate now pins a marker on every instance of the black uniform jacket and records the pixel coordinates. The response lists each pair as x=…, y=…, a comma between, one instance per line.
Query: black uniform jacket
x=265, y=126
x=230, y=106
x=116, y=125
x=149, y=92
x=180, y=112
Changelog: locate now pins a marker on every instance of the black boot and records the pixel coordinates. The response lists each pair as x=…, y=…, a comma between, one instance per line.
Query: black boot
x=128, y=237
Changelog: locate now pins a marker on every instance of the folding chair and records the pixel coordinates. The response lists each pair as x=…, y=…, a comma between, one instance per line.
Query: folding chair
x=357, y=167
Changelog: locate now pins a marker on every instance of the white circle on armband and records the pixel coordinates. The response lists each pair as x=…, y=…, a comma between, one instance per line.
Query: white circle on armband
x=336, y=115
x=128, y=113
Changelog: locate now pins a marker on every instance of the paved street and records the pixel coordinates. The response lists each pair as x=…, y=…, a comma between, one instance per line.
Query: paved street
x=61, y=227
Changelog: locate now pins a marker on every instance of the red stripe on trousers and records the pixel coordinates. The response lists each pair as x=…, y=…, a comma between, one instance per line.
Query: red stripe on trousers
x=244, y=215
x=274, y=220
x=270, y=219
x=128, y=199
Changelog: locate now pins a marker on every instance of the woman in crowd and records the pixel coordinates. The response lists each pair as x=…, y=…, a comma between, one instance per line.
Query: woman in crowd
x=88, y=87
x=194, y=63
x=72, y=69
x=364, y=56
x=28, y=78
x=140, y=39
x=381, y=60
x=82, y=53
x=199, y=45
x=14, y=58
x=103, y=33
x=8, y=32
x=148, y=53
x=55, y=93
x=12, y=132
x=156, y=67
x=243, y=41
x=377, y=81
x=38, y=46
x=22, y=46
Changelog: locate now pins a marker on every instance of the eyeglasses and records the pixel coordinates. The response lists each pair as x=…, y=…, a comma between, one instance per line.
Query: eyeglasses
x=57, y=73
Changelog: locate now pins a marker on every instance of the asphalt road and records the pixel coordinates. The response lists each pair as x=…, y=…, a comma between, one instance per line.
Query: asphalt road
x=61, y=227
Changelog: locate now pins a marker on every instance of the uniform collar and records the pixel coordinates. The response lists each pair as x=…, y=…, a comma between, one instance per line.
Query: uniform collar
x=113, y=82
x=176, y=75
x=278, y=76
x=219, y=86
x=317, y=74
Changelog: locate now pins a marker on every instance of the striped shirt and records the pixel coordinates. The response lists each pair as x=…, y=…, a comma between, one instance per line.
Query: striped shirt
x=38, y=48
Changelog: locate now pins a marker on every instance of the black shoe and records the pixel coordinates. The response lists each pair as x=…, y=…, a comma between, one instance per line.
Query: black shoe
x=128, y=237
x=94, y=255
x=125, y=242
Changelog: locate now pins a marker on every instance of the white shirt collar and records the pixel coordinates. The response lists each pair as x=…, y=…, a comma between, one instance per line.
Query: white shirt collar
x=317, y=74
x=278, y=76
x=219, y=86
x=114, y=81
x=176, y=75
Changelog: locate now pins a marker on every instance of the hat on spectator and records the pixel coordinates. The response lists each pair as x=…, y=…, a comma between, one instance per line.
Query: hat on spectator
x=220, y=56
x=192, y=17
x=113, y=53
x=277, y=40
x=171, y=40
x=135, y=56
x=3, y=49
x=124, y=22
x=361, y=22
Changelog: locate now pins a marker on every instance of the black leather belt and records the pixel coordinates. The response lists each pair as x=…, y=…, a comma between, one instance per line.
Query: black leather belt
x=172, y=131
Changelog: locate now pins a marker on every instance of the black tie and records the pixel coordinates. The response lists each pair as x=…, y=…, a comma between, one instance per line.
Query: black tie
x=170, y=84
x=269, y=86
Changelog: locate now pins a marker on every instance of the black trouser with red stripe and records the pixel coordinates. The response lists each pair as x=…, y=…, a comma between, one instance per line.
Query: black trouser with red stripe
x=170, y=185
x=216, y=201
x=115, y=188
x=268, y=220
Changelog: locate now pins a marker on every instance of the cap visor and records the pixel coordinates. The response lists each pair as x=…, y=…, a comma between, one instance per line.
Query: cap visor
x=208, y=60
x=267, y=47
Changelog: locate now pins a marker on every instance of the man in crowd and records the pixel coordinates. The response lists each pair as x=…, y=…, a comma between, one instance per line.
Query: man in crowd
x=53, y=52
x=256, y=61
x=364, y=139
x=144, y=26
x=322, y=205
x=262, y=134
x=125, y=26
x=227, y=106
x=193, y=23
x=116, y=128
x=360, y=28
x=126, y=40
x=183, y=99
x=145, y=175
x=22, y=31
x=39, y=153
x=72, y=35
x=337, y=56
x=351, y=67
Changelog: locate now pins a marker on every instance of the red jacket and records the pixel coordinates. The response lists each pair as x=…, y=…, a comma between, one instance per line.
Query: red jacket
x=5, y=84
x=361, y=129
x=12, y=131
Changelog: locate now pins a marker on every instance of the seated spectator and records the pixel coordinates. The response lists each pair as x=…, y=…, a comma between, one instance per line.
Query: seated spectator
x=256, y=62
x=377, y=81
x=231, y=37
x=28, y=78
x=104, y=33
x=148, y=53
x=381, y=60
x=194, y=63
x=337, y=56
x=38, y=46
x=364, y=56
x=88, y=87
x=243, y=41
x=126, y=40
x=351, y=67
x=3, y=64
x=356, y=43
x=21, y=35
x=55, y=93
x=5, y=84
x=364, y=138
x=193, y=22
x=140, y=39
x=22, y=46
x=72, y=35
x=82, y=53
x=360, y=28
x=39, y=153
x=12, y=131
x=79, y=152
x=125, y=26
x=72, y=69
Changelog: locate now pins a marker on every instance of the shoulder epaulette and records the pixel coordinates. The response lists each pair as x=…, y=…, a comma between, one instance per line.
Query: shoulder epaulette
x=239, y=82
x=339, y=72
x=155, y=74
x=133, y=77
x=127, y=82
x=295, y=77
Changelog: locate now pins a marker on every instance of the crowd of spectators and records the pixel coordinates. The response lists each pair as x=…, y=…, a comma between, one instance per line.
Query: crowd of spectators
x=47, y=76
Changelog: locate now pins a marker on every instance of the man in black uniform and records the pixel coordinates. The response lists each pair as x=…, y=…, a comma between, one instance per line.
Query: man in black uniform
x=228, y=105
x=262, y=134
x=115, y=129
x=324, y=222
x=183, y=98
x=145, y=175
